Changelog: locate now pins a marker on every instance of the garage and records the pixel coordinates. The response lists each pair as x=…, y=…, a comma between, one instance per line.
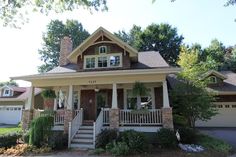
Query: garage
x=226, y=116
x=10, y=114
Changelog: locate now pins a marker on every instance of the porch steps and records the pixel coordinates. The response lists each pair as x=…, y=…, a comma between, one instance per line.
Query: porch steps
x=84, y=137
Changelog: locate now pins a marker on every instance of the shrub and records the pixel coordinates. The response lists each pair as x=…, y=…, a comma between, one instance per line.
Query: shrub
x=180, y=120
x=40, y=130
x=47, y=94
x=105, y=137
x=119, y=149
x=9, y=140
x=58, y=140
x=187, y=135
x=212, y=143
x=136, y=141
x=166, y=138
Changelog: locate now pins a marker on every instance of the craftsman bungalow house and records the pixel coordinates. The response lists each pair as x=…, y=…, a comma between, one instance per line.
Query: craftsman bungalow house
x=93, y=84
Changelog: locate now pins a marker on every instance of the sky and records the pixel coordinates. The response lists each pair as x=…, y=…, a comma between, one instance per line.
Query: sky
x=199, y=21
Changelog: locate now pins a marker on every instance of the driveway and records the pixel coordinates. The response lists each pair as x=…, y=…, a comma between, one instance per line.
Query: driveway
x=226, y=134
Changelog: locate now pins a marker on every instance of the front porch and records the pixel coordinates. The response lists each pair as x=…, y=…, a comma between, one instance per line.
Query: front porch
x=104, y=106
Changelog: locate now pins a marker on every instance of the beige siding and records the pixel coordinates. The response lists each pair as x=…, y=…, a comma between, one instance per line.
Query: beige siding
x=12, y=103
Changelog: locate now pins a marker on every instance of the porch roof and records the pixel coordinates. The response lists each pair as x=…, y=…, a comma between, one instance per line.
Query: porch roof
x=74, y=74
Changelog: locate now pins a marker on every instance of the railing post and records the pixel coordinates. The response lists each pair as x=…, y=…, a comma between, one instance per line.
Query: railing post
x=94, y=134
x=69, y=135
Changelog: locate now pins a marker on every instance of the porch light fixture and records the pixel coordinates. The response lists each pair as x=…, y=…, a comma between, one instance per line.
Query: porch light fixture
x=96, y=89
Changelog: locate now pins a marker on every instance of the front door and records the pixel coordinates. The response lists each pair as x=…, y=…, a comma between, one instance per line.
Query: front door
x=88, y=104
x=101, y=101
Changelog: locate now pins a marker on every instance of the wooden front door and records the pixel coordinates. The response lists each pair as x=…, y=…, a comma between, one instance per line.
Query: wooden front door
x=88, y=104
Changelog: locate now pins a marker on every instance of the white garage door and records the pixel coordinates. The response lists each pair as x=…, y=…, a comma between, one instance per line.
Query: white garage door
x=10, y=114
x=225, y=118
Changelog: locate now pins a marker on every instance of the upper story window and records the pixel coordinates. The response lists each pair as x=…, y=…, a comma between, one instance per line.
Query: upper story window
x=90, y=62
x=102, y=49
x=7, y=92
x=103, y=61
x=212, y=79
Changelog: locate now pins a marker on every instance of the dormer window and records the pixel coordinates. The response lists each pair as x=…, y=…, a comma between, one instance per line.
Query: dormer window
x=213, y=79
x=102, y=49
x=6, y=92
x=114, y=61
x=102, y=62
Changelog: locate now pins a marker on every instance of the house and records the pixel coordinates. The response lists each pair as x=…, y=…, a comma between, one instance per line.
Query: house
x=223, y=85
x=12, y=102
x=93, y=84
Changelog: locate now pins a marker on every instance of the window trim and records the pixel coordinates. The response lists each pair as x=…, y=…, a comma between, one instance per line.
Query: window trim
x=108, y=60
x=100, y=47
x=9, y=92
x=214, y=79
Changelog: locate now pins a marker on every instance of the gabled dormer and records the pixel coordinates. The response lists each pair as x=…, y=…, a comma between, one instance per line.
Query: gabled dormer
x=214, y=78
x=102, y=51
x=6, y=91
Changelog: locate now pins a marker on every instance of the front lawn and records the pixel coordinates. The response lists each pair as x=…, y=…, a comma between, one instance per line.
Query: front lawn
x=9, y=129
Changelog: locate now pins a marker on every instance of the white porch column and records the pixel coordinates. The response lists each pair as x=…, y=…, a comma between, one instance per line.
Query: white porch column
x=70, y=98
x=114, y=96
x=30, y=102
x=55, y=99
x=166, y=103
x=79, y=91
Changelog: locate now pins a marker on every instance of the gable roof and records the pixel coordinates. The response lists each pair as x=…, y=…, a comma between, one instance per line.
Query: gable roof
x=23, y=96
x=215, y=73
x=226, y=88
x=14, y=88
x=93, y=37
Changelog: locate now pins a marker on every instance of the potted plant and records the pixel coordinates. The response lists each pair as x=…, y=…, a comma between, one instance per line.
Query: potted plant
x=48, y=96
x=139, y=90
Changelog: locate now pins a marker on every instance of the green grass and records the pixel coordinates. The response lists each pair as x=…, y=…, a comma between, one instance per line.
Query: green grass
x=8, y=130
x=214, y=144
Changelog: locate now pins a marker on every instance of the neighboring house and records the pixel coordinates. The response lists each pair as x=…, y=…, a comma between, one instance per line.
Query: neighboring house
x=223, y=85
x=12, y=102
x=93, y=84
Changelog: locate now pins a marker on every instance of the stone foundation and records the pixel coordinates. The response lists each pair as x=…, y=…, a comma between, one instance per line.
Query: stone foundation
x=27, y=116
x=114, y=118
x=68, y=117
x=167, y=118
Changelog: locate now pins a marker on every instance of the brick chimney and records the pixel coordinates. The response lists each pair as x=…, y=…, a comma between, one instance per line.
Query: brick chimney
x=65, y=50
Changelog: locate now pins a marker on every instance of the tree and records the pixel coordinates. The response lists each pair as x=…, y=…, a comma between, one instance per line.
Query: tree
x=131, y=37
x=156, y=37
x=9, y=83
x=139, y=90
x=190, y=97
x=56, y=30
x=15, y=12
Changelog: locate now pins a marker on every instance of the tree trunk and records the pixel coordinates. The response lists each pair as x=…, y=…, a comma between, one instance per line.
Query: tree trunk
x=138, y=102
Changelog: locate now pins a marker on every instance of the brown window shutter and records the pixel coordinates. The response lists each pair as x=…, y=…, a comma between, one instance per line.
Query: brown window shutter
x=96, y=50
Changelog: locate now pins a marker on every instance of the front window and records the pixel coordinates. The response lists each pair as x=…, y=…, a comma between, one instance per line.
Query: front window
x=90, y=63
x=102, y=62
x=114, y=61
x=75, y=99
x=146, y=101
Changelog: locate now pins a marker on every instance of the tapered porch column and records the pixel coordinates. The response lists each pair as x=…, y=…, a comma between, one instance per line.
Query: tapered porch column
x=69, y=109
x=167, y=118
x=114, y=96
x=114, y=111
x=27, y=114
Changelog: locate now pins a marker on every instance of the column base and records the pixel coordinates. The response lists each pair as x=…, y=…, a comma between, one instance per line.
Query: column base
x=114, y=118
x=67, y=118
x=167, y=118
x=27, y=116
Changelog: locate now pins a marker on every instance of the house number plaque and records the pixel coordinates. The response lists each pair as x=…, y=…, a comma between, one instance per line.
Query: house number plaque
x=92, y=81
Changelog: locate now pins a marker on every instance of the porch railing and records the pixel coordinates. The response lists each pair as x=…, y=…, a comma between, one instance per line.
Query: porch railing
x=106, y=116
x=74, y=125
x=131, y=117
x=59, y=118
x=97, y=126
